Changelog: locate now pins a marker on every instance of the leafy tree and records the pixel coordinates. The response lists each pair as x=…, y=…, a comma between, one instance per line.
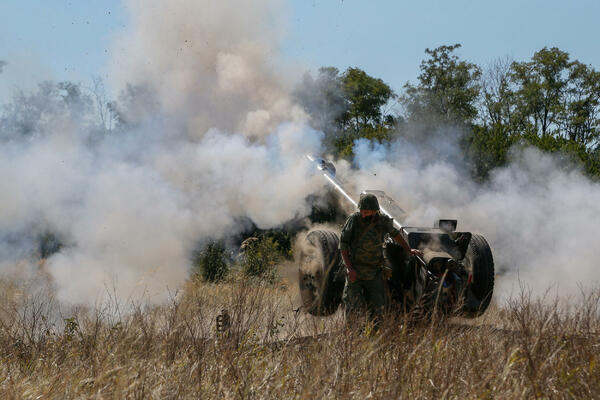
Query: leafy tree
x=487, y=148
x=365, y=116
x=447, y=91
x=549, y=102
x=581, y=120
x=559, y=105
x=347, y=107
x=542, y=85
x=499, y=121
x=592, y=164
x=498, y=103
x=365, y=97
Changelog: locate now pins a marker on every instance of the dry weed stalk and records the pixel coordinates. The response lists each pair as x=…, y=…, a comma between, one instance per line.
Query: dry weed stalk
x=530, y=349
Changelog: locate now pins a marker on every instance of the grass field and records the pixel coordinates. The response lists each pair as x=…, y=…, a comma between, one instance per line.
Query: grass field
x=527, y=349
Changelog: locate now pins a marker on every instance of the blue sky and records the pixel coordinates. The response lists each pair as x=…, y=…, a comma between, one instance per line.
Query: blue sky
x=62, y=40
x=69, y=39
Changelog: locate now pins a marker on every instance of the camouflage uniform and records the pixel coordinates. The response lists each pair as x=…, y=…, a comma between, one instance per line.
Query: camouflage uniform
x=363, y=238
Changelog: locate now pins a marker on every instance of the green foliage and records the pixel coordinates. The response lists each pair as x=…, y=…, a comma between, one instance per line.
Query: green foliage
x=365, y=96
x=211, y=262
x=347, y=107
x=260, y=258
x=575, y=152
x=447, y=90
x=487, y=148
x=581, y=119
x=498, y=108
x=550, y=102
x=283, y=239
x=541, y=87
x=592, y=163
x=365, y=116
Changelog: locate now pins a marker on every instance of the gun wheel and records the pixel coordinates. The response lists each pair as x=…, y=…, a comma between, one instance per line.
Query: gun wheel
x=480, y=265
x=318, y=261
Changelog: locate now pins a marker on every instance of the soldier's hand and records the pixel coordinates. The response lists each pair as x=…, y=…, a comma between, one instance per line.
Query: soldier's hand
x=352, y=275
x=415, y=252
x=386, y=274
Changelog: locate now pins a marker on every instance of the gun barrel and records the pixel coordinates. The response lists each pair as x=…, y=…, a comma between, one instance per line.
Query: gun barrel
x=328, y=171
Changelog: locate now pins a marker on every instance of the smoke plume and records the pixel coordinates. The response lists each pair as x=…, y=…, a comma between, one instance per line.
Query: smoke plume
x=208, y=140
x=211, y=64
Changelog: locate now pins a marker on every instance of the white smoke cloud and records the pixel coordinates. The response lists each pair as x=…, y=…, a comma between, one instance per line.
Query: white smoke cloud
x=212, y=64
x=538, y=217
x=132, y=223
x=213, y=141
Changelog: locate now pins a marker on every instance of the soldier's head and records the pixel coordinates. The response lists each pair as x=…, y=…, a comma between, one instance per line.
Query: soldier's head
x=368, y=205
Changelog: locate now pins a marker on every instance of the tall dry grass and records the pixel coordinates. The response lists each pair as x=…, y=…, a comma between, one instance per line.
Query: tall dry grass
x=528, y=349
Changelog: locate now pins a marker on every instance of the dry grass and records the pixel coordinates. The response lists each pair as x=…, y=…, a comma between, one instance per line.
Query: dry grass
x=527, y=350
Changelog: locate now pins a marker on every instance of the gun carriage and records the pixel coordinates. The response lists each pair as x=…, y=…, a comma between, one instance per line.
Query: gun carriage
x=455, y=275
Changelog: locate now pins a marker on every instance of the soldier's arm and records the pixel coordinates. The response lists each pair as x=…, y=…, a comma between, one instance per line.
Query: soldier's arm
x=351, y=272
x=398, y=238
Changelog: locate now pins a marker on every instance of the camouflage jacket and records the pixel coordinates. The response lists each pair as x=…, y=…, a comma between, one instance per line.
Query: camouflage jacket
x=364, y=241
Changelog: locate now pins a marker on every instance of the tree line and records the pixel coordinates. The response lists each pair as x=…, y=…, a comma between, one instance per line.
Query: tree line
x=550, y=102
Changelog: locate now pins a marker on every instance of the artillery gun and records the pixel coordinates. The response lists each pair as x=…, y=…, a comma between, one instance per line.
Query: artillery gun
x=455, y=275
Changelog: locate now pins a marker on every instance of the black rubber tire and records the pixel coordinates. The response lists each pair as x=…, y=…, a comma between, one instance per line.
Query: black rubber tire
x=318, y=262
x=480, y=264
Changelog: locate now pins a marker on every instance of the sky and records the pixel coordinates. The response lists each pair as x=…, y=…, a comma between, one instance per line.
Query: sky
x=69, y=40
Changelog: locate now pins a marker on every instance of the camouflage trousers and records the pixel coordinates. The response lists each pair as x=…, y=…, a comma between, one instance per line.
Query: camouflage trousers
x=365, y=295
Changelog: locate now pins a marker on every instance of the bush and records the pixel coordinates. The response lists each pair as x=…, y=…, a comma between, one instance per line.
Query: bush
x=260, y=258
x=49, y=243
x=211, y=262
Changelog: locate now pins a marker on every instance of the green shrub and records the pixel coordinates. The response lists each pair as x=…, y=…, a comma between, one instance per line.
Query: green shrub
x=260, y=258
x=211, y=262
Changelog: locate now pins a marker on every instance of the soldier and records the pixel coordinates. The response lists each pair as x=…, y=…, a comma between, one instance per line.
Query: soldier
x=361, y=245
